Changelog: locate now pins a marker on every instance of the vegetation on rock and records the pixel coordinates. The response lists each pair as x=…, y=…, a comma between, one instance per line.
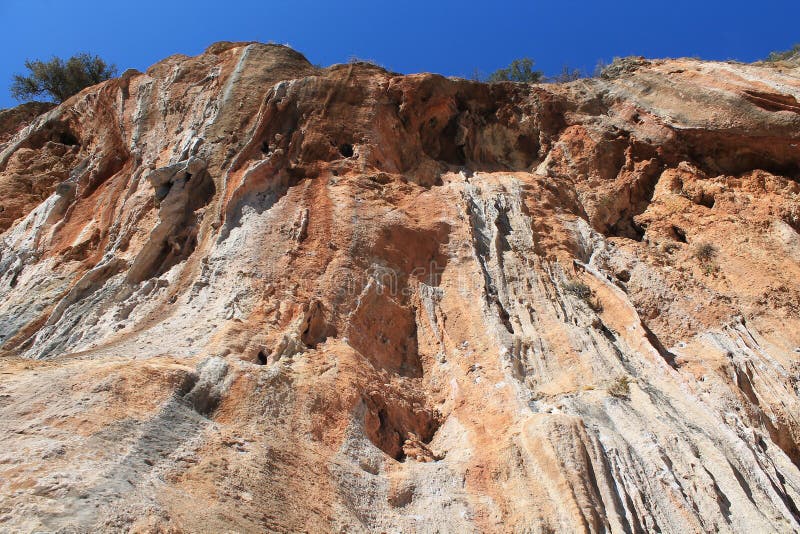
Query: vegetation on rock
x=785, y=55
x=566, y=75
x=705, y=252
x=59, y=79
x=621, y=387
x=579, y=289
x=520, y=70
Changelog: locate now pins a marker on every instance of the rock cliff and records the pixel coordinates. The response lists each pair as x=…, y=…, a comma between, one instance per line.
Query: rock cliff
x=242, y=293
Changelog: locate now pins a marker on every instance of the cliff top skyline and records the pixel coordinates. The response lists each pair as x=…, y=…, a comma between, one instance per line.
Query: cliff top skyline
x=451, y=38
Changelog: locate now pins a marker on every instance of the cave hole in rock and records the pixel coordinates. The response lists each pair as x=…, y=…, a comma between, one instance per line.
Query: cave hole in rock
x=261, y=358
x=626, y=227
x=53, y=132
x=66, y=138
x=716, y=153
x=451, y=151
x=316, y=329
x=203, y=399
x=706, y=200
x=346, y=150
x=679, y=234
x=640, y=196
x=528, y=145
x=187, y=384
x=477, y=135
x=175, y=238
x=391, y=425
x=439, y=143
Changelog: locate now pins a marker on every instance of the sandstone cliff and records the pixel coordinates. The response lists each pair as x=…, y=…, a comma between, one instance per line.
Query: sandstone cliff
x=242, y=293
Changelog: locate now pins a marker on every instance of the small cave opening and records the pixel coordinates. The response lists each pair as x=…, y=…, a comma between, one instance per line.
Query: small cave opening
x=628, y=228
x=439, y=142
x=387, y=438
x=53, y=132
x=316, y=328
x=624, y=276
x=187, y=384
x=397, y=429
x=346, y=150
x=174, y=239
x=204, y=400
x=66, y=138
x=718, y=153
x=202, y=396
x=707, y=200
x=451, y=151
x=679, y=234
x=640, y=194
x=261, y=358
x=528, y=145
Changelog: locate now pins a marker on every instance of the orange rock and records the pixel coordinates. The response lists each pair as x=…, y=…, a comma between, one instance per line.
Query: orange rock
x=242, y=293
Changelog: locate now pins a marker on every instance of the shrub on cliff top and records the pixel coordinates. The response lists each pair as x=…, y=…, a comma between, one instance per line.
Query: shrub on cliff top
x=58, y=79
x=520, y=70
x=566, y=75
x=785, y=55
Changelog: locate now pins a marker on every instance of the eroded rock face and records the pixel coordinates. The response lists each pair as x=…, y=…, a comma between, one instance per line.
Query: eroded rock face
x=239, y=292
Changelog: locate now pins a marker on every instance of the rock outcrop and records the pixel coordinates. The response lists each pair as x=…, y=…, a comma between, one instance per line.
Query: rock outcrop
x=242, y=293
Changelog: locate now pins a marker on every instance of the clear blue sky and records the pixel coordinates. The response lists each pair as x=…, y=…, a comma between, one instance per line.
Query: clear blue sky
x=449, y=37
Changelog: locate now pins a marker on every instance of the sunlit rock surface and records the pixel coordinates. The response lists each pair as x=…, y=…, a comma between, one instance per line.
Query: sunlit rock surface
x=242, y=293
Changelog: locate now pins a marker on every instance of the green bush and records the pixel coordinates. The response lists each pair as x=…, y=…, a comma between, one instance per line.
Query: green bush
x=58, y=79
x=621, y=387
x=579, y=289
x=785, y=55
x=520, y=70
x=585, y=293
x=566, y=75
x=705, y=252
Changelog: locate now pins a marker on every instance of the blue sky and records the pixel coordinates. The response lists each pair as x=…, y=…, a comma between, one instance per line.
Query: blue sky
x=449, y=37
